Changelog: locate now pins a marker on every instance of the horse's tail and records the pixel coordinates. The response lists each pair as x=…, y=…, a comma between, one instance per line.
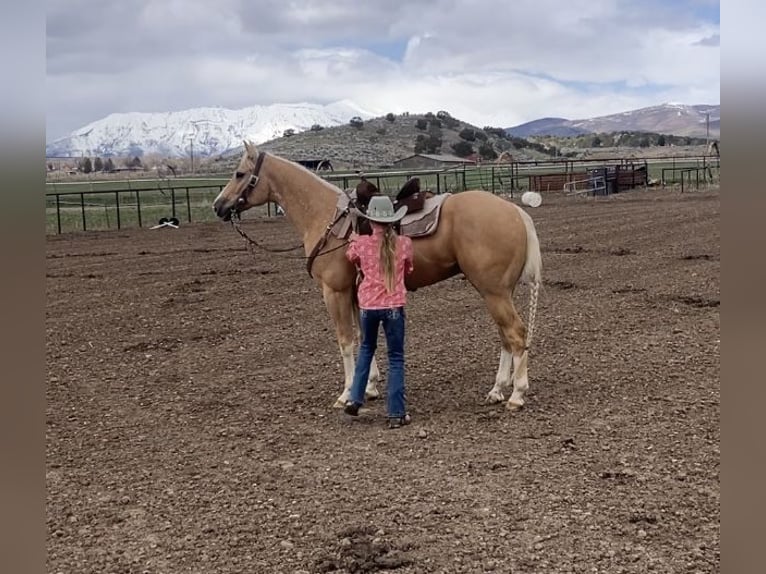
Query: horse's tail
x=532, y=273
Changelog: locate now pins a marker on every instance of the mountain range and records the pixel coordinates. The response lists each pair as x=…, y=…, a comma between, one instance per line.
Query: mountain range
x=203, y=131
x=671, y=118
x=207, y=132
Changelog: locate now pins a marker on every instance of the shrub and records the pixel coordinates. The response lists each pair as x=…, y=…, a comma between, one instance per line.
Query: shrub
x=486, y=151
x=462, y=149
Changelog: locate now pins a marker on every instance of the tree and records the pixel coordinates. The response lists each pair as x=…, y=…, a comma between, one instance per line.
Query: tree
x=661, y=140
x=356, y=122
x=390, y=117
x=443, y=114
x=85, y=165
x=421, y=124
x=289, y=132
x=498, y=132
x=420, y=144
x=486, y=151
x=434, y=143
x=467, y=134
x=135, y=162
x=462, y=149
x=98, y=165
x=430, y=143
x=596, y=142
x=316, y=128
x=108, y=164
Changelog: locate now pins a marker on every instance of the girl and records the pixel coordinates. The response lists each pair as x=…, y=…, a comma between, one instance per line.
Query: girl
x=384, y=258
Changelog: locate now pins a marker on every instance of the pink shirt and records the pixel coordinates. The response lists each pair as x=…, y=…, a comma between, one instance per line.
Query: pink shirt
x=364, y=250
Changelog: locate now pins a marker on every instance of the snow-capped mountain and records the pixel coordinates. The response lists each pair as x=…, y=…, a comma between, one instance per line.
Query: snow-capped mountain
x=210, y=131
x=670, y=118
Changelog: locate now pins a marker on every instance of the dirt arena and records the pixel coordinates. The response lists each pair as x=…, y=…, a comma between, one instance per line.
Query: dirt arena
x=190, y=428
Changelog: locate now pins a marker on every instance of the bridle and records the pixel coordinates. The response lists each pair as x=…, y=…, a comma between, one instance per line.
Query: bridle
x=315, y=252
x=254, y=178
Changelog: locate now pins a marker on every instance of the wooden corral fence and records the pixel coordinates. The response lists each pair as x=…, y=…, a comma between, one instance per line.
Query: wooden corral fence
x=616, y=178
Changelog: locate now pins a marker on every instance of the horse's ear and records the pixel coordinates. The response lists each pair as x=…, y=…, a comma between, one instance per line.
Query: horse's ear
x=250, y=148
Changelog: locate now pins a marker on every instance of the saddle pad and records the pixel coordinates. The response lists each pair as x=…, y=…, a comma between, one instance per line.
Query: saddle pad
x=424, y=222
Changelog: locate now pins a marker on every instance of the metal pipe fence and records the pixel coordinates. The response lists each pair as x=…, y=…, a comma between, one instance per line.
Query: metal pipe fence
x=81, y=206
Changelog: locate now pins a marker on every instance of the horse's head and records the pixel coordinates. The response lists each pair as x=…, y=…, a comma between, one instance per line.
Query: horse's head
x=245, y=189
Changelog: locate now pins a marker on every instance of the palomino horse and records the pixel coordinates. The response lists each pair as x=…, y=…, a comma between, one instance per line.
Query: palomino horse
x=490, y=240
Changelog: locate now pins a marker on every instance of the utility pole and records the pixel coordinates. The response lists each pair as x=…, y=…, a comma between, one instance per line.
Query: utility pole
x=707, y=131
x=191, y=149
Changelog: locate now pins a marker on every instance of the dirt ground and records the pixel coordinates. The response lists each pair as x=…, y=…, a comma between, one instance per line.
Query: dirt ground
x=190, y=428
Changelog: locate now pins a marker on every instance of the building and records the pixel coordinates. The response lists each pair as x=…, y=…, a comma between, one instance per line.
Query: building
x=429, y=160
x=321, y=164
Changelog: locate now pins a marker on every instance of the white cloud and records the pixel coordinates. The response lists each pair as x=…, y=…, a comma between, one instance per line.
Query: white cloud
x=496, y=62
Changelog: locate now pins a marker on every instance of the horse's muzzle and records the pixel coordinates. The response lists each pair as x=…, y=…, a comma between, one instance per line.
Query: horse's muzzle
x=223, y=211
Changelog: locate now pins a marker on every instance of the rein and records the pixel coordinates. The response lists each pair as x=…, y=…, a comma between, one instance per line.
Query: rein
x=315, y=252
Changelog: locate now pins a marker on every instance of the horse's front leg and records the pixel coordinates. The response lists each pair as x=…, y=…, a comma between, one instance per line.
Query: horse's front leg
x=342, y=312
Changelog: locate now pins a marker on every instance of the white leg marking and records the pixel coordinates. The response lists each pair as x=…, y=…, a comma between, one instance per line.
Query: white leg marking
x=520, y=381
x=347, y=354
x=372, y=391
x=502, y=379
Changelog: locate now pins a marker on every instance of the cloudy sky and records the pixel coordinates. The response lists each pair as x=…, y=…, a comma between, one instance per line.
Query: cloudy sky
x=489, y=62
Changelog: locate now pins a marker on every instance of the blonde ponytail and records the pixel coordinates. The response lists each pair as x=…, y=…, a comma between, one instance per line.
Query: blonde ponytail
x=388, y=258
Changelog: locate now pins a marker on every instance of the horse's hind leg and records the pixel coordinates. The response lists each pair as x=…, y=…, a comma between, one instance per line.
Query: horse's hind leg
x=512, y=354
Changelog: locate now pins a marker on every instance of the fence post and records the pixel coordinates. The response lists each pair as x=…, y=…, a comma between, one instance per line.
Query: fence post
x=173, y=201
x=58, y=213
x=138, y=207
x=82, y=209
x=117, y=204
x=188, y=206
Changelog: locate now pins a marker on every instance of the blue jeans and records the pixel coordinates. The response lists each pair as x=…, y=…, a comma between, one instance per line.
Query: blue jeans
x=393, y=321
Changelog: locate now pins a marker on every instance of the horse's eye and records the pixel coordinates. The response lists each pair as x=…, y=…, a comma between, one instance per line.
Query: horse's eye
x=239, y=175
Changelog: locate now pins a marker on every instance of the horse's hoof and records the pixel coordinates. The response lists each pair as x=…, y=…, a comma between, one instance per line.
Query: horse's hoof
x=372, y=396
x=339, y=404
x=494, y=397
x=514, y=406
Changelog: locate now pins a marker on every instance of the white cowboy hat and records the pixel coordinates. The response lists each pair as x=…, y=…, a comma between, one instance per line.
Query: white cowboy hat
x=381, y=210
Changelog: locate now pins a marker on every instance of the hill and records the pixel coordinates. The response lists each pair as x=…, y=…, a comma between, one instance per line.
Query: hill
x=378, y=142
x=670, y=119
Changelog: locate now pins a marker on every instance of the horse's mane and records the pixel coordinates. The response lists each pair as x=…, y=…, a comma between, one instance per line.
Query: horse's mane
x=305, y=170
